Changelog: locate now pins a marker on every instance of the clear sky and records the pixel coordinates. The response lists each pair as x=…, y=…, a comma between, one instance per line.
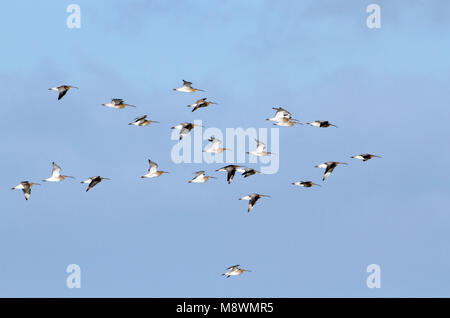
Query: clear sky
x=387, y=89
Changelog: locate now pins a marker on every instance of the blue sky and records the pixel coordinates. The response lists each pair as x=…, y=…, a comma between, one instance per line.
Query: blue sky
x=386, y=89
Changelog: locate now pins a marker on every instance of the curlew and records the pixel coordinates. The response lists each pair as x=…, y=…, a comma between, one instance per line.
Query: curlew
x=234, y=271
x=200, y=177
x=63, y=89
x=247, y=172
x=142, y=121
x=253, y=197
x=117, y=103
x=260, y=150
x=321, y=124
x=200, y=104
x=306, y=184
x=365, y=156
x=185, y=128
x=153, y=170
x=56, y=174
x=329, y=167
x=231, y=170
x=25, y=186
x=215, y=146
x=187, y=88
x=93, y=181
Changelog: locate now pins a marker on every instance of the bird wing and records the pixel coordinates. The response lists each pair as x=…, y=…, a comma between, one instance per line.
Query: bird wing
x=140, y=118
x=215, y=144
x=117, y=101
x=199, y=173
x=93, y=183
x=233, y=267
x=282, y=113
x=183, y=132
x=27, y=192
x=153, y=166
x=230, y=174
x=328, y=171
x=186, y=83
x=260, y=146
x=56, y=171
x=62, y=92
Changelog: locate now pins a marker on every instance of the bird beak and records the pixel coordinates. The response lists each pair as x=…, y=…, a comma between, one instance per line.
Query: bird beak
x=154, y=121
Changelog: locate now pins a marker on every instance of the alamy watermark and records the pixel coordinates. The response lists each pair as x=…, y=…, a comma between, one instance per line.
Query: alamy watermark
x=238, y=146
x=74, y=279
x=374, y=279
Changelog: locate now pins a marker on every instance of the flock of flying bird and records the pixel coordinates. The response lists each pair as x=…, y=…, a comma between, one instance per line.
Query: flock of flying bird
x=281, y=118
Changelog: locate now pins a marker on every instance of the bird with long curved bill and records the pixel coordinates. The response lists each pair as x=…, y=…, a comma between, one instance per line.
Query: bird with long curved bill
x=252, y=198
x=185, y=128
x=62, y=90
x=117, y=103
x=201, y=103
x=25, y=186
x=230, y=170
x=305, y=184
x=234, y=271
x=142, y=121
x=153, y=170
x=329, y=167
x=93, y=181
x=200, y=177
x=321, y=124
x=187, y=88
x=56, y=174
x=365, y=156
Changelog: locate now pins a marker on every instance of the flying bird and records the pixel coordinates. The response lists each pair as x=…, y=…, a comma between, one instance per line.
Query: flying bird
x=117, y=103
x=200, y=104
x=321, y=124
x=253, y=197
x=365, y=156
x=260, y=149
x=25, y=186
x=142, y=121
x=153, y=170
x=56, y=174
x=187, y=88
x=215, y=146
x=200, y=177
x=185, y=128
x=329, y=167
x=234, y=271
x=231, y=171
x=93, y=181
x=306, y=184
x=63, y=89
x=247, y=172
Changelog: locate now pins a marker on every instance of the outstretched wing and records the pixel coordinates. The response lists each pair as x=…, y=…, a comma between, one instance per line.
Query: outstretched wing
x=199, y=173
x=141, y=118
x=328, y=171
x=233, y=267
x=153, y=166
x=260, y=146
x=56, y=171
x=186, y=83
x=62, y=92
